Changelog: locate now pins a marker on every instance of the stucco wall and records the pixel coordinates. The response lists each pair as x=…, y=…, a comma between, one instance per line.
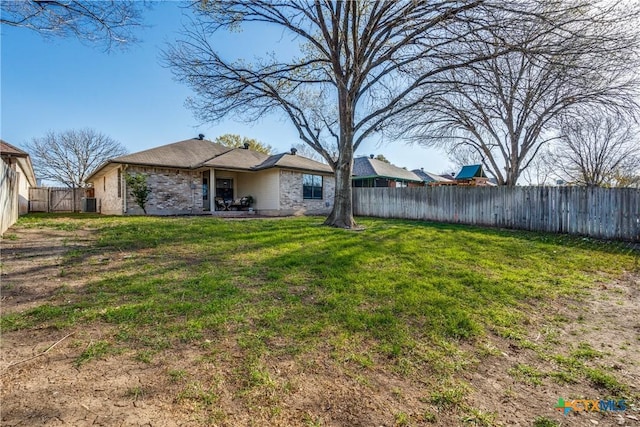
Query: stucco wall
x=8, y=196
x=173, y=192
x=106, y=193
x=263, y=186
x=20, y=192
x=292, y=202
x=23, y=191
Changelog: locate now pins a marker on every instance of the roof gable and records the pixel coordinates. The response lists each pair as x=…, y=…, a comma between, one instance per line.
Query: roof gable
x=6, y=148
x=22, y=158
x=470, y=171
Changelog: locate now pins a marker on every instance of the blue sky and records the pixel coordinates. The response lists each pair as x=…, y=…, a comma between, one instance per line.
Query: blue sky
x=62, y=84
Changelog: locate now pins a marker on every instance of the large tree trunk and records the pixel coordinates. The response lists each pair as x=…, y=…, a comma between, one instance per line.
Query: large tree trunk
x=342, y=213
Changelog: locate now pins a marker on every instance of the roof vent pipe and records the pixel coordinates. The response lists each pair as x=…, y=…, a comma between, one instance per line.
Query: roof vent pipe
x=246, y=145
x=201, y=136
x=293, y=151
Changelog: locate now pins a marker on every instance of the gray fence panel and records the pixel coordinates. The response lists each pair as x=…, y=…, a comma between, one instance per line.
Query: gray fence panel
x=610, y=213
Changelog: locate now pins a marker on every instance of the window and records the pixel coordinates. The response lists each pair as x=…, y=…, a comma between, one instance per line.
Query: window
x=312, y=187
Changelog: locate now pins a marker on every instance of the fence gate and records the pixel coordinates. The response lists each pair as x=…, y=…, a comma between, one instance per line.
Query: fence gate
x=55, y=199
x=38, y=199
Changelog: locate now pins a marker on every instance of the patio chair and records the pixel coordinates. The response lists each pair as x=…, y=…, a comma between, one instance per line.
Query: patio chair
x=221, y=205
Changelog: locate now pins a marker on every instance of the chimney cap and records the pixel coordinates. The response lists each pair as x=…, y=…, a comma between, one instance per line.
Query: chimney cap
x=246, y=145
x=293, y=151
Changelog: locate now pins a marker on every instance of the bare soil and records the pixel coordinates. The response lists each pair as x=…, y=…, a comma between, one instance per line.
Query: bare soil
x=199, y=384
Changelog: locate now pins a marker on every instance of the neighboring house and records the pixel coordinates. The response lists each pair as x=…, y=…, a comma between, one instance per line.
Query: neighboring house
x=370, y=172
x=20, y=162
x=433, y=179
x=197, y=176
x=472, y=175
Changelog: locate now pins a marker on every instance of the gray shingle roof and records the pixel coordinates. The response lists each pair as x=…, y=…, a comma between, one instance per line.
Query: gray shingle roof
x=367, y=167
x=197, y=153
x=237, y=158
x=183, y=154
x=430, y=177
x=290, y=161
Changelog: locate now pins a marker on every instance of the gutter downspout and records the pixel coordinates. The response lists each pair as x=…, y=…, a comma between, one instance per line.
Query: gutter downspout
x=124, y=189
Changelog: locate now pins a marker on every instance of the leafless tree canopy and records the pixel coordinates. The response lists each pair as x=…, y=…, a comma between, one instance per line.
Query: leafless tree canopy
x=69, y=157
x=305, y=151
x=359, y=67
x=584, y=54
x=237, y=141
x=541, y=170
x=111, y=23
x=597, y=150
x=461, y=156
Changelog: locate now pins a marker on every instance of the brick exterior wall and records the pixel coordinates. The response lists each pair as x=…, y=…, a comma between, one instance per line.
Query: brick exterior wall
x=292, y=202
x=173, y=192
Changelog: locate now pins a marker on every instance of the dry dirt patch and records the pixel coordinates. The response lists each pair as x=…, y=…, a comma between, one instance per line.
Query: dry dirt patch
x=202, y=383
x=607, y=320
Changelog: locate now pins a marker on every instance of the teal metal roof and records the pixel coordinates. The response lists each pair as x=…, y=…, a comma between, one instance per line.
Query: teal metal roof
x=471, y=171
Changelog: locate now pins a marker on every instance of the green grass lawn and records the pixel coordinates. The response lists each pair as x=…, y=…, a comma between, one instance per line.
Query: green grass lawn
x=395, y=282
x=400, y=293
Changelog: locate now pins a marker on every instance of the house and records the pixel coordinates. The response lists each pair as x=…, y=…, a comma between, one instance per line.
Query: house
x=197, y=176
x=370, y=172
x=433, y=179
x=472, y=175
x=20, y=162
x=450, y=176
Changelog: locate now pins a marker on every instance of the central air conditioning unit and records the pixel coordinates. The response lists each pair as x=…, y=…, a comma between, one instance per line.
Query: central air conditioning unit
x=89, y=204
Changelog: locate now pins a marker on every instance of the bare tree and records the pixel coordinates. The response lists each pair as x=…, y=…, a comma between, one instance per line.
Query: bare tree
x=108, y=22
x=360, y=66
x=69, y=157
x=597, y=150
x=462, y=156
x=541, y=169
x=504, y=109
x=237, y=141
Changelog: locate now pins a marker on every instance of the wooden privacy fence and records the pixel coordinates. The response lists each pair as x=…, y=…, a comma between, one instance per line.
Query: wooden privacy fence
x=610, y=213
x=55, y=199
